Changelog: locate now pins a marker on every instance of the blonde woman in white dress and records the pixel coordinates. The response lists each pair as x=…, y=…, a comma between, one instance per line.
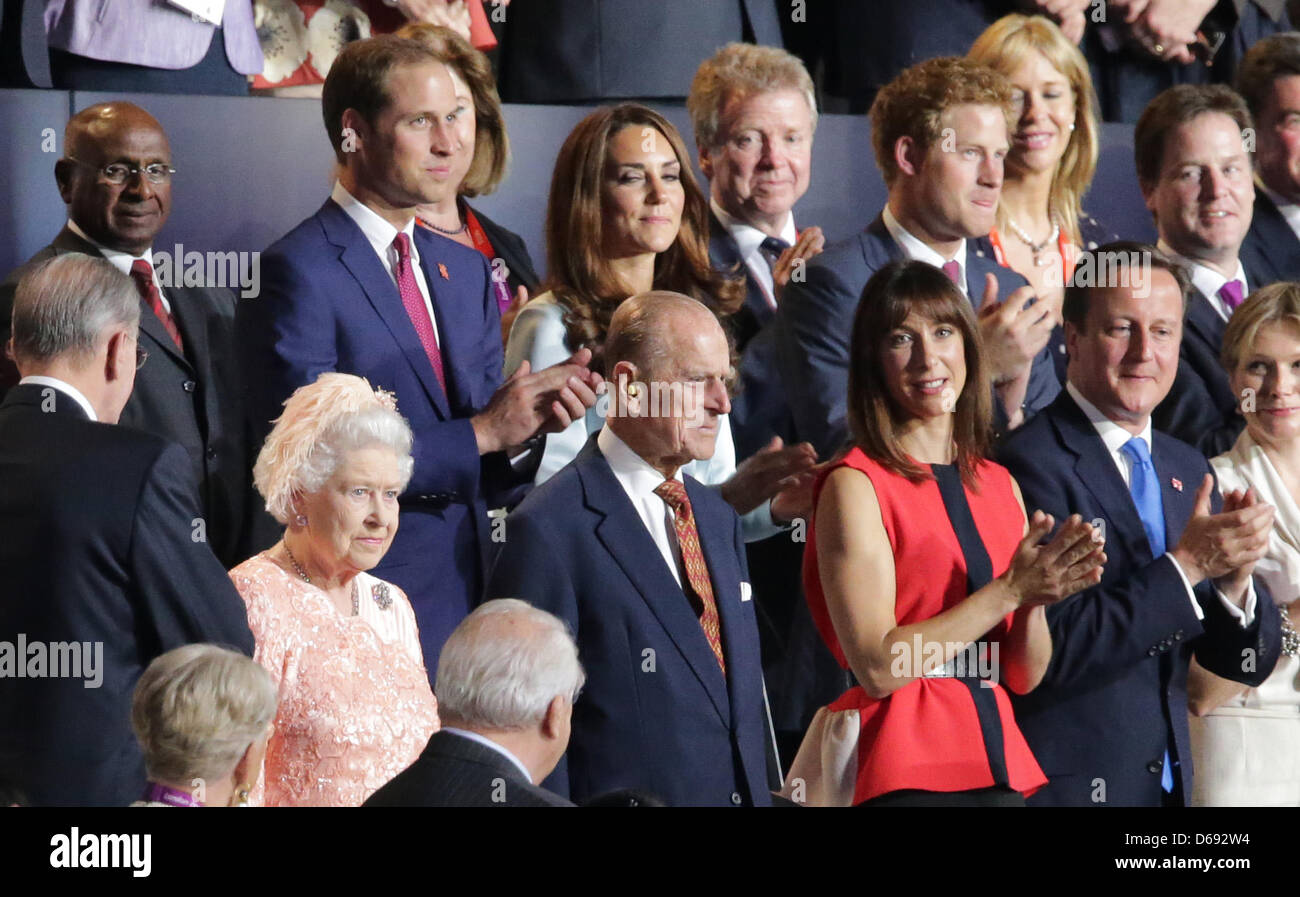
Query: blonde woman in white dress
x=1246, y=741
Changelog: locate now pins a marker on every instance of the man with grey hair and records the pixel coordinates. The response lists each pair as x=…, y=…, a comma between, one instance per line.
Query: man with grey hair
x=98, y=548
x=507, y=679
x=647, y=567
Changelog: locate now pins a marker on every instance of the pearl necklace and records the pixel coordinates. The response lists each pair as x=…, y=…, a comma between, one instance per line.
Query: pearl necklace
x=1036, y=249
x=356, y=601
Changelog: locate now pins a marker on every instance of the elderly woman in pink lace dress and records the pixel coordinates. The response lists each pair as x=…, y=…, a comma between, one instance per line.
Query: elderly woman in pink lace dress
x=342, y=645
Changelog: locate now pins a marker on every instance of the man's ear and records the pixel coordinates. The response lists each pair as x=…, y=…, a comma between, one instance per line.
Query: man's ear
x=706, y=163
x=64, y=170
x=1072, y=335
x=908, y=156
x=553, y=720
x=355, y=130
x=120, y=351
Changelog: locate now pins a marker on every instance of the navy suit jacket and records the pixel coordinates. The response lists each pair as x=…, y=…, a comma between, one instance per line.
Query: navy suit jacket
x=760, y=409
x=814, y=326
x=656, y=713
x=1116, y=687
x=1201, y=409
x=1271, y=249
x=97, y=547
x=454, y=771
x=328, y=304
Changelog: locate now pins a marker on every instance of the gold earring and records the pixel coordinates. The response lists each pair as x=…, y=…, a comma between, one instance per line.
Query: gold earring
x=633, y=390
x=241, y=795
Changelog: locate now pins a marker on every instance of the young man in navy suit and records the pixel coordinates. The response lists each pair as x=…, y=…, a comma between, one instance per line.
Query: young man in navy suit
x=647, y=567
x=358, y=288
x=940, y=135
x=1108, y=723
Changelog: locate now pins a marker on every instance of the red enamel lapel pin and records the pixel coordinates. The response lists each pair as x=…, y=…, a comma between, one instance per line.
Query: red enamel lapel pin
x=1176, y=483
x=442, y=269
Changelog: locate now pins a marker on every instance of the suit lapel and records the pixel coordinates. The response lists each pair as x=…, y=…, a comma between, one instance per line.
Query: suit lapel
x=453, y=317
x=1178, y=502
x=1274, y=249
x=628, y=542
x=716, y=527
x=725, y=256
x=358, y=256
x=1097, y=472
x=1204, y=323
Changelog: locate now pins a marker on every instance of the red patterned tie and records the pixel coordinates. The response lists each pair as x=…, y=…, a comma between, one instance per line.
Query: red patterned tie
x=413, y=301
x=697, y=573
x=142, y=274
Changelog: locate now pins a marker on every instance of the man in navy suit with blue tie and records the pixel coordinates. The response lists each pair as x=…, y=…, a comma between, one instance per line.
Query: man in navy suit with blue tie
x=1108, y=723
x=940, y=135
x=647, y=567
x=358, y=288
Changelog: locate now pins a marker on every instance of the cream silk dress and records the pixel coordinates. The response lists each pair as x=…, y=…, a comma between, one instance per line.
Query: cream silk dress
x=355, y=703
x=1247, y=751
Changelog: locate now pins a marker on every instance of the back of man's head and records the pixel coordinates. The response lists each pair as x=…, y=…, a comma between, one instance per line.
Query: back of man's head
x=503, y=666
x=63, y=308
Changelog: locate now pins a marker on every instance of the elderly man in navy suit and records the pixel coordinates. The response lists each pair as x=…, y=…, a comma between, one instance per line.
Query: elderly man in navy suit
x=940, y=135
x=358, y=288
x=647, y=567
x=1194, y=168
x=1269, y=81
x=1108, y=723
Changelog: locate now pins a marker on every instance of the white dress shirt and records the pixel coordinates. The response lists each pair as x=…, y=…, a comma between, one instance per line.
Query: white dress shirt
x=1290, y=211
x=489, y=743
x=748, y=239
x=918, y=251
x=66, y=388
x=1115, y=437
x=123, y=261
x=639, y=480
x=380, y=234
x=1208, y=281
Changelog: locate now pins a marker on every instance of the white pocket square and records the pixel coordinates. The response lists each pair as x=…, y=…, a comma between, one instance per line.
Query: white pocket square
x=746, y=592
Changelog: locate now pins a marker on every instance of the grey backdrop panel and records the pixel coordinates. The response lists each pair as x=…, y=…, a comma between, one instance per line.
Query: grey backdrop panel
x=250, y=168
x=31, y=212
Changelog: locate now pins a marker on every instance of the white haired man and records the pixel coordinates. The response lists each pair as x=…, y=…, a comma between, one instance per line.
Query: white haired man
x=507, y=679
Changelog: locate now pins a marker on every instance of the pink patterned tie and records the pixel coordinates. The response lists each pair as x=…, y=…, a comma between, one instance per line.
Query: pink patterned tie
x=413, y=302
x=953, y=270
x=697, y=572
x=1232, y=294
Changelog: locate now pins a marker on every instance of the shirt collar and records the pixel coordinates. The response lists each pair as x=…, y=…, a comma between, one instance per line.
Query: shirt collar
x=489, y=743
x=748, y=238
x=1111, y=433
x=64, y=387
x=1206, y=280
x=379, y=232
x=919, y=251
x=634, y=472
x=122, y=261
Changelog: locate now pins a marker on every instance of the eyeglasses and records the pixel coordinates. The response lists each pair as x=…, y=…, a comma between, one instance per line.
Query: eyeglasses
x=118, y=173
x=141, y=356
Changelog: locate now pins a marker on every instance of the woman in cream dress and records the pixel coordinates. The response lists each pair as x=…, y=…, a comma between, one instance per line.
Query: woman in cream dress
x=1246, y=741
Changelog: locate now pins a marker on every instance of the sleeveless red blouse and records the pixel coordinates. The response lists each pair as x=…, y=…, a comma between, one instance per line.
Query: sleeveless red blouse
x=928, y=735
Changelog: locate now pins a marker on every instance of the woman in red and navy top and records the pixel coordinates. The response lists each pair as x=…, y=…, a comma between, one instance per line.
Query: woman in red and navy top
x=922, y=574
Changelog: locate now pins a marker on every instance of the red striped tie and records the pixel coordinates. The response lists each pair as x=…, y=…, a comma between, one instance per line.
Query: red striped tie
x=142, y=274
x=413, y=302
x=697, y=572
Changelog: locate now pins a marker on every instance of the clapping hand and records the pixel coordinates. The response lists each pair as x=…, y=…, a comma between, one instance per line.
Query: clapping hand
x=1069, y=563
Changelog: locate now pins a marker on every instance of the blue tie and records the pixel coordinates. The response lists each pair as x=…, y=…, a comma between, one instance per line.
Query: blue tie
x=1145, y=489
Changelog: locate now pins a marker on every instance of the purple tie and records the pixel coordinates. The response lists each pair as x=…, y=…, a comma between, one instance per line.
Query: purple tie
x=953, y=270
x=1231, y=294
x=413, y=301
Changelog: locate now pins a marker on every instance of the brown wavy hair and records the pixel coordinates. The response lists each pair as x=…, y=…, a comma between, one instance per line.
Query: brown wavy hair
x=581, y=278
x=892, y=293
